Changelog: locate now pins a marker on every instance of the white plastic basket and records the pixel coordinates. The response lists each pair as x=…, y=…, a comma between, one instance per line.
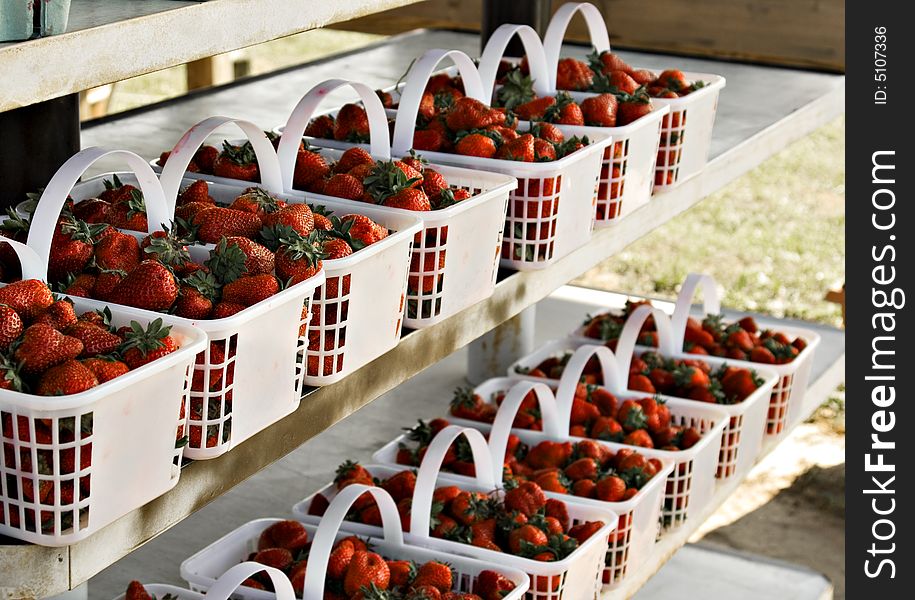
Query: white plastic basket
x=786, y=405
x=741, y=440
x=201, y=569
x=627, y=165
x=636, y=529
x=576, y=576
x=119, y=436
x=686, y=132
x=551, y=210
x=226, y=585
x=249, y=375
x=454, y=261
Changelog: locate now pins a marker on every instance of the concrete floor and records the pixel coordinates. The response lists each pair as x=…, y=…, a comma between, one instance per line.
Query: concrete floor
x=273, y=491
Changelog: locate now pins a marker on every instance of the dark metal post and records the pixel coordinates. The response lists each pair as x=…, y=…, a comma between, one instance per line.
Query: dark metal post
x=535, y=13
x=34, y=141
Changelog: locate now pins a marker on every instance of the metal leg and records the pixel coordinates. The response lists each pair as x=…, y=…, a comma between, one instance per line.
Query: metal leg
x=492, y=353
x=34, y=141
x=535, y=13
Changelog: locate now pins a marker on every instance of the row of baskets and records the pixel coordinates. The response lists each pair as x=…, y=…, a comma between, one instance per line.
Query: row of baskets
x=729, y=440
x=431, y=266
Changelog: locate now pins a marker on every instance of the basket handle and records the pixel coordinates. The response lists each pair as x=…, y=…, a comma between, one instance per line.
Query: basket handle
x=44, y=220
x=533, y=48
x=711, y=303
x=575, y=368
x=556, y=31
x=505, y=417
x=625, y=345
x=305, y=109
x=415, y=86
x=232, y=579
x=181, y=155
x=323, y=541
x=31, y=264
x=432, y=464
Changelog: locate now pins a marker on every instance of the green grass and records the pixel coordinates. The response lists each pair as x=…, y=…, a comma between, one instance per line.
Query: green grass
x=774, y=238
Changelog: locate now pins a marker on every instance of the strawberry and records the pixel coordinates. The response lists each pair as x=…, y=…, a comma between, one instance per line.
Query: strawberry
x=290, y=535
x=491, y=585
x=565, y=112
x=468, y=113
x=621, y=81
x=105, y=369
x=205, y=158
x=10, y=326
x=188, y=211
x=600, y=111
x=143, y=346
x=526, y=540
x=130, y=214
x=237, y=162
x=476, y=144
x=150, y=286
x=258, y=259
x=321, y=127
x=361, y=230
x=335, y=248
x=340, y=558
x=199, y=191
x=633, y=108
x=535, y=110
x=96, y=339
x=527, y=498
x=309, y=167
x=434, y=574
x=28, y=297
x=642, y=76
x=548, y=132
x=297, y=216
x=607, y=62
x=353, y=158
x=215, y=222
x=403, y=572
x=258, y=201
x=195, y=296
x=521, y=149
x=250, y=289
x=117, y=251
x=610, y=489
x=298, y=258
x=71, y=247
x=366, y=569
x=43, y=347
x=433, y=183
x=408, y=199
x=672, y=80
x=136, y=591
x=278, y=558
x=544, y=150
x=344, y=185
x=573, y=74
x=223, y=310
x=428, y=139
x=69, y=377
x=351, y=124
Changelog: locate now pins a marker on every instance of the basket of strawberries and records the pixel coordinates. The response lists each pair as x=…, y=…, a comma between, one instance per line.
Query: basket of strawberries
x=249, y=375
x=621, y=109
x=738, y=390
x=356, y=315
x=92, y=408
x=346, y=567
x=692, y=98
x=787, y=351
x=223, y=588
x=559, y=545
x=595, y=472
x=455, y=256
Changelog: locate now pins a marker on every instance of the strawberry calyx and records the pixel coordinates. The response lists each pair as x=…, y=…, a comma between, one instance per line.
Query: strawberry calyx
x=10, y=371
x=517, y=89
x=570, y=145
x=148, y=339
x=227, y=261
x=386, y=180
x=79, y=230
x=204, y=282
x=240, y=155
x=15, y=224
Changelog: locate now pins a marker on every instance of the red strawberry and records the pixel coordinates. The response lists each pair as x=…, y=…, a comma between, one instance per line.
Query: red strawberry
x=237, y=162
x=428, y=139
x=309, y=167
x=96, y=339
x=409, y=199
x=521, y=149
x=143, y=346
x=297, y=216
x=69, y=377
x=565, y=112
x=150, y=286
x=343, y=185
x=535, y=110
x=43, y=347
x=290, y=535
x=251, y=289
x=673, y=80
x=633, y=109
x=117, y=251
x=621, y=81
x=258, y=259
x=467, y=114
x=257, y=200
x=28, y=298
x=217, y=222
x=59, y=315
x=321, y=127
x=476, y=144
x=71, y=247
x=136, y=591
x=105, y=369
x=298, y=258
x=199, y=191
x=352, y=158
x=609, y=62
x=573, y=74
x=223, y=310
x=600, y=111
x=10, y=326
x=544, y=150
x=351, y=124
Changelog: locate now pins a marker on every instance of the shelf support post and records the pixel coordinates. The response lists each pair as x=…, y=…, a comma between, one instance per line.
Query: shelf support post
x=491, y=354
x=34, y=141
x=535, y=13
